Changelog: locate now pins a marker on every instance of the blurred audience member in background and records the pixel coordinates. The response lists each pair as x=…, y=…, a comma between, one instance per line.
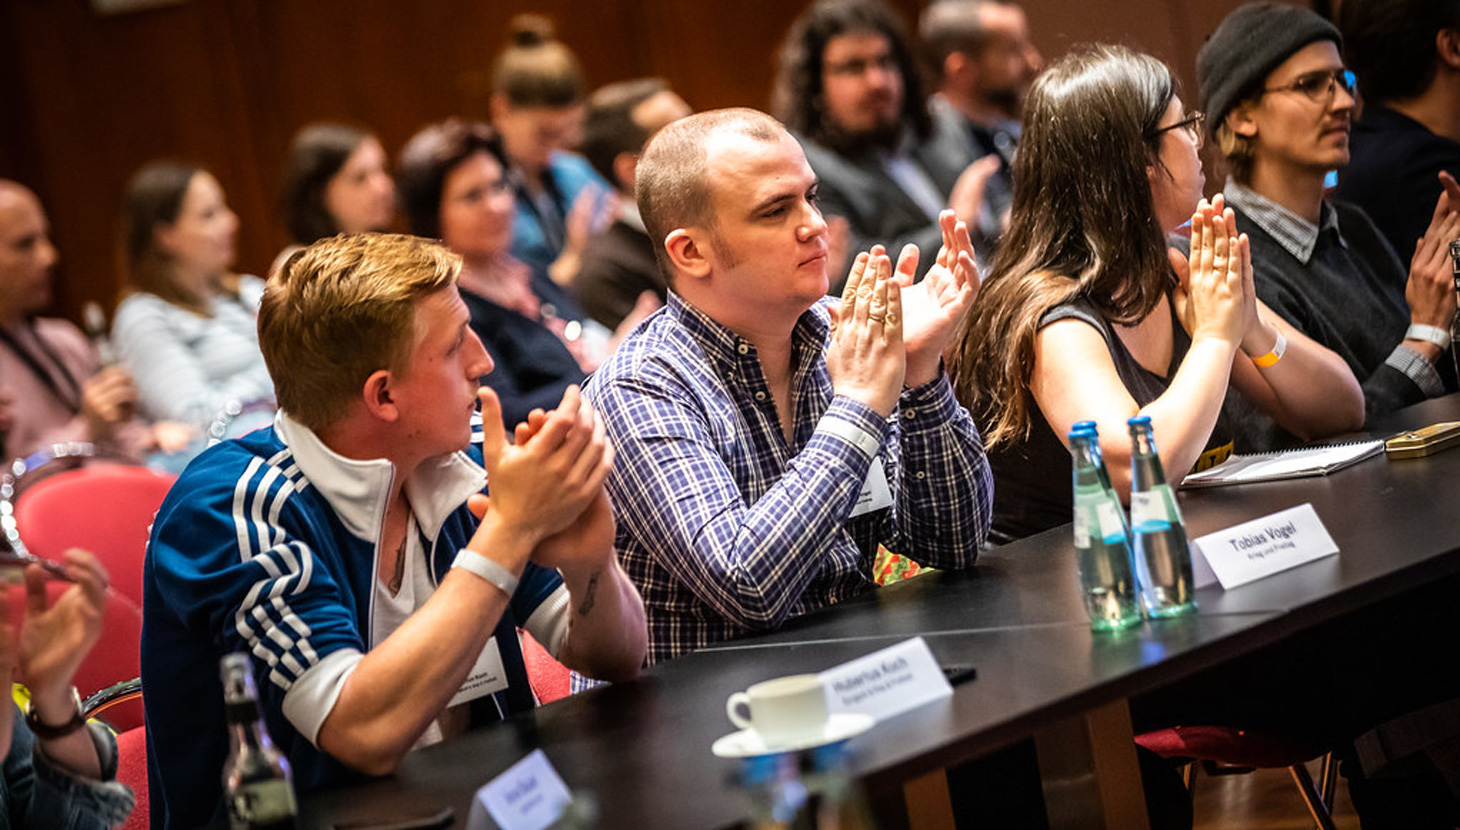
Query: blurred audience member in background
x=186, y=327
x=1406, y=54
x=980, y=55
x=537, y=107
x=848, y=89
x=336, y=180
x=619, y=275
x=1280, y=105
x=454, y=186
x=50, y=376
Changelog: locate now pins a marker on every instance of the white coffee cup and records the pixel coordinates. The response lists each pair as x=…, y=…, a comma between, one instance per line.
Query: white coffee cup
x=784, y=711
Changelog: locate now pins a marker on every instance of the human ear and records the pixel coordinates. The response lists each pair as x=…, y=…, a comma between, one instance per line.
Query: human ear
x=690, y=254
x=164, y=236
x=377, y=396
x=1447, y=47
x=1241, y=122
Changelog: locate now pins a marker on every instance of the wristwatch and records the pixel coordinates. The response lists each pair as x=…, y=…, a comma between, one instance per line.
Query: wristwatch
x=46, y=731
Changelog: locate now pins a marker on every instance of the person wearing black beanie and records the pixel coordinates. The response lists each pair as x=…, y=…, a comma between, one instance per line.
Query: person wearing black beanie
x=1280, y=105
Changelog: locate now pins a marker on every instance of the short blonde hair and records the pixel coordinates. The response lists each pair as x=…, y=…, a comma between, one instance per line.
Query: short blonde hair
x=342, y=309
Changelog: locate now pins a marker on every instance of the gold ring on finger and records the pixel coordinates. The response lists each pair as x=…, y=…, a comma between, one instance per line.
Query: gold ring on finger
x=877, y=318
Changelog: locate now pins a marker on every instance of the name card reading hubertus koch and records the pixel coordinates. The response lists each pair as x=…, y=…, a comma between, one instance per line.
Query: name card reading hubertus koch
x=888, y=682
x=1262, y=547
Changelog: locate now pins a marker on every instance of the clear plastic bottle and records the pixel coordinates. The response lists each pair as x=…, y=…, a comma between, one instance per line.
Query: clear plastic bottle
x=258, y=788
x=1102, y=544
x=778, y=797
x=840, y=803
x=1163, y=557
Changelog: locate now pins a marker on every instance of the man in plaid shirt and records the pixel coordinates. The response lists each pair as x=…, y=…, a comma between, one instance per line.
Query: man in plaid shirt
x=768, y=440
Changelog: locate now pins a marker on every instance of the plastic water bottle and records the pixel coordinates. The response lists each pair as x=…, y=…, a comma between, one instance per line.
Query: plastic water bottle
x=258, y=788
x=778, y=797
x=1102, y=545
x=1163, y=557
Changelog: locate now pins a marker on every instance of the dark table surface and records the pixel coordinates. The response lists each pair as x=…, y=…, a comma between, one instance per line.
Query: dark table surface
x=643, y=748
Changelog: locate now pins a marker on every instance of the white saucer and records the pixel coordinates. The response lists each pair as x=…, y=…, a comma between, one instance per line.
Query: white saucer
x=747, y=743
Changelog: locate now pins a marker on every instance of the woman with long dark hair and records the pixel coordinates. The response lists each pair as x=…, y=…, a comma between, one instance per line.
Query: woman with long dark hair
x=186, y=326
x=1088, y=315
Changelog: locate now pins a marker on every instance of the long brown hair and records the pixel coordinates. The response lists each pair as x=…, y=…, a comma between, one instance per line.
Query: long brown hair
x=154, y=197
x=1083, y=223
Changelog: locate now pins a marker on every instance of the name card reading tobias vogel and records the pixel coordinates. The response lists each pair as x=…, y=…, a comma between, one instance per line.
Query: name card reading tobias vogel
x=1262, y=547
x=888, y=682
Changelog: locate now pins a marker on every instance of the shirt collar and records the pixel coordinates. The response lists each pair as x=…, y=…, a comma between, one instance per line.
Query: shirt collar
x=1297, y=235
x=726, y=349
x=357, y=489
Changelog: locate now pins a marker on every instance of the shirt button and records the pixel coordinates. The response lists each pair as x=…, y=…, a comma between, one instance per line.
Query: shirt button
x=921, y=475
x=743, y=348
x=760, y=396
x=909, y=413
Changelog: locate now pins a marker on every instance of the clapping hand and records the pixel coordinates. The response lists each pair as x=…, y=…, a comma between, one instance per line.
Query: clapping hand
x=1214, y=295
x=865, y=357
x=936, y=307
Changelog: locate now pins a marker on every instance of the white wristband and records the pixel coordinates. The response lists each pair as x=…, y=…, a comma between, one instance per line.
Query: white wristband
x=1429, y=334
x=486, y=569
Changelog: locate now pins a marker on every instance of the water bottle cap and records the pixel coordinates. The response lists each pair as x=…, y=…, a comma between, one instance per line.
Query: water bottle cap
x=1139, y=421
x=1083, y=426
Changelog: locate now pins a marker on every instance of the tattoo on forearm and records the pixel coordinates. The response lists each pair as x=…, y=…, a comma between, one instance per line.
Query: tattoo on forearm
x=587, y=604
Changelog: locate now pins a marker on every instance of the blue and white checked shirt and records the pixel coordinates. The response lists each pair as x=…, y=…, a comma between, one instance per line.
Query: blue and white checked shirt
x=726, y=530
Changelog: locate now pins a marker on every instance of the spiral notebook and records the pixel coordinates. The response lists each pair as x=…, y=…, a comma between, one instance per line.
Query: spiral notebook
x=1285, y=464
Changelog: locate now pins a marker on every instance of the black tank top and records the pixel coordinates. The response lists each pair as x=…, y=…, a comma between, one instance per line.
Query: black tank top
x=1032, y=489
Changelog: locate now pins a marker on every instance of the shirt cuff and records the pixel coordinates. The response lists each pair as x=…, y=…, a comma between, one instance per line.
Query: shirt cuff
x=854, y=423
x=1416, y=368
x=312, y=697
x=549, y=623
x=928, y=406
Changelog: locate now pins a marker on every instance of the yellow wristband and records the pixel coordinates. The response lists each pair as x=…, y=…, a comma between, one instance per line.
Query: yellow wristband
x=1271, y=358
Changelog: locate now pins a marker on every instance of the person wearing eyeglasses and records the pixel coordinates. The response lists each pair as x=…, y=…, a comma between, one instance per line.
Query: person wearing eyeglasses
x=848, y=88
x=1088, y=316
x=1280, y=104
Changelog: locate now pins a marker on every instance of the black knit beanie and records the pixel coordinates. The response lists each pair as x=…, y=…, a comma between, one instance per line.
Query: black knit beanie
x=1249, y=44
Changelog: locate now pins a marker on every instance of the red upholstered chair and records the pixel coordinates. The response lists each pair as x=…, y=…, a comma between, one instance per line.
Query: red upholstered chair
x=132, y=771
x=1224, y=750
x=106, y=509
x=550, y=679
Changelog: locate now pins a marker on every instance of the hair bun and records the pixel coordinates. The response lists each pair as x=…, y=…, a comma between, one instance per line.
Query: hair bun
x=531, y=30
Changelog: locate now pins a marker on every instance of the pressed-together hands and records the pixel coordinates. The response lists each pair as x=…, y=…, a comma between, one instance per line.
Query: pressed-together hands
x=1430, y=291
x=1215, y=296
x=866, y=357
x=591, y=212
x=889, y=331
x=547, y=486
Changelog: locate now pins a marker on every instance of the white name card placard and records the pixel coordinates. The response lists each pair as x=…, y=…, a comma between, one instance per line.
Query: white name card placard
x=528, y=796
x=1262, y=547
x=888, y=682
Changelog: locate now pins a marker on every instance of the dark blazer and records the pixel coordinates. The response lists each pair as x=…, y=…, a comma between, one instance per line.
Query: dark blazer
x=875, y=205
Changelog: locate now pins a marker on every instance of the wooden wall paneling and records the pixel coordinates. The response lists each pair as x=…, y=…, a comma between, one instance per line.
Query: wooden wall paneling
x=724, y=54
x=86, y=99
